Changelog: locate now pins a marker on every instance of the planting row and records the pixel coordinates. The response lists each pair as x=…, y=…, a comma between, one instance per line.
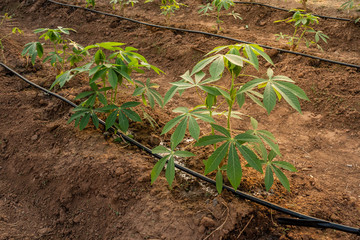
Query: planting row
x=110, y=66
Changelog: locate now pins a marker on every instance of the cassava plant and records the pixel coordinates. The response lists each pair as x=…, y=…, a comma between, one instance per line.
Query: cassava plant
x=351, y=5
x=15, y=30
x=123, y=4
x=218, y=5
x=110, y=69
x=90, y=3
x=168, y=8
x=302, y=28
x=232, y=149
x=60, y=54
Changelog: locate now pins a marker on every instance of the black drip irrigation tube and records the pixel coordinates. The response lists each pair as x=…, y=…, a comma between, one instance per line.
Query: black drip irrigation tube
x=207, y=34
x=287, y=10
x=299, y=220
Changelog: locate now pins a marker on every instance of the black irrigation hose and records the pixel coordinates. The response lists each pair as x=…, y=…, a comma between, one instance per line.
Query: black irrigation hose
x=206, y=33
x=287, y=10
x=303, y=220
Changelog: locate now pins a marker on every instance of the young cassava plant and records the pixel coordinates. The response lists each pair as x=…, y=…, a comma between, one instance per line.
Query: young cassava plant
x=232, y=149
x=302, y=28
x=218, y=6
x=168, y=8
x=111, y=67
x=60, y=54
x=15, y=30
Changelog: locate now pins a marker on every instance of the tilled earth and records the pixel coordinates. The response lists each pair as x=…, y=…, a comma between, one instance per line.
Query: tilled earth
x=57, y=182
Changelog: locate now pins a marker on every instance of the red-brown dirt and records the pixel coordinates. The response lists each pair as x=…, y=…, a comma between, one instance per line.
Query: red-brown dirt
x=57, y=182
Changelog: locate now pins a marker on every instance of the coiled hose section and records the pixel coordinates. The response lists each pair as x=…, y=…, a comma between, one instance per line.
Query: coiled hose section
x=303, y=220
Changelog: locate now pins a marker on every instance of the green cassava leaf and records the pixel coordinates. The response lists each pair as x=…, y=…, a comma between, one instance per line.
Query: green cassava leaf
x=269, y=178
x=219, y=181
x=215, y=159
x=282, y=177
x=157, y=168
x=234, y=171
x=179, y=133
x=285, y=165
x=250, y=157
x=170, y=171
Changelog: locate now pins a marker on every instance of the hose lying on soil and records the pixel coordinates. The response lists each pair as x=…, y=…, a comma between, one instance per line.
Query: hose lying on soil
x=303, y=220
x=287, y=10
x=207, y=34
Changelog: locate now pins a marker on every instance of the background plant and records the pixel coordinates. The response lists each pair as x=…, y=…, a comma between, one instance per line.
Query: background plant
x=218, y=5
x=168, y=8
x=90, y=3
x=60, y=54
x=110, y=68
x=301, y=23
x=255, y=147
x=123, y=4
x=351, y=5
x=5, y=36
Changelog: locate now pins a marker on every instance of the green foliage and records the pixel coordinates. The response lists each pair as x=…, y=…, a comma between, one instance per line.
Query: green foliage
x=169, y=158
x=168, y=7
x=123, y=4
x=59, y=56
x=148, y=90
x=351, y=5
x=90, y=3
x=256, y=148
x=110, y=67
x=218, y=6
x=301, y=23
x=15, y=30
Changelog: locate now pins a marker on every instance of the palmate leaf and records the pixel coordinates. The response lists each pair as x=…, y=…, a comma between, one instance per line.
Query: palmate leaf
x=62, y=78
x=33, y=50
x=148, y=90
x=281, y=86
x=170, y=168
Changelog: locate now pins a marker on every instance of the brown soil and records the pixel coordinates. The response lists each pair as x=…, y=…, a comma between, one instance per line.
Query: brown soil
x=57, y=182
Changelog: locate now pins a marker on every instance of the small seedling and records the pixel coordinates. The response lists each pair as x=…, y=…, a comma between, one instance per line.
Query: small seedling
x=60, y=54
x=15, y=30
x=123, y=4
x=90, y=3
x=301, y=23
x=168, y=8
x=351, y=5
x=218, y=5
